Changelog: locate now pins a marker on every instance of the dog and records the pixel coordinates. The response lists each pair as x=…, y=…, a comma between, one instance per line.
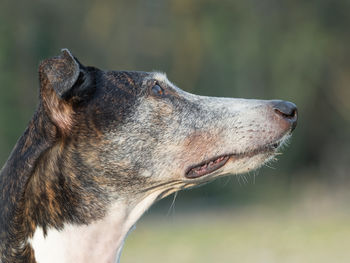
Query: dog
x=103, y=146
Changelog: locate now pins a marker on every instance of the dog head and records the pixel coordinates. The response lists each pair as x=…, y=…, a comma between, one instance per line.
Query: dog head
x=139, y=133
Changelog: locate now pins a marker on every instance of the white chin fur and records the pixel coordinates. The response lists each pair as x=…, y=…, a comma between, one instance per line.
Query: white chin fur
x=250, y=163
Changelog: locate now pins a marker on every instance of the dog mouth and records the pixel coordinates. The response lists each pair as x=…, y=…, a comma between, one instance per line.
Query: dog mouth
x=207, y=167
x=214, y=164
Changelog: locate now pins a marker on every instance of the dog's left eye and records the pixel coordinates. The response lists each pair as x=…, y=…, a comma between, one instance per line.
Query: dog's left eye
x=157, y=90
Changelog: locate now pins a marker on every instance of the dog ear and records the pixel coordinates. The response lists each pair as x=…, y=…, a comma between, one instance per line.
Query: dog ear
x=64, y=82
x=65, y=75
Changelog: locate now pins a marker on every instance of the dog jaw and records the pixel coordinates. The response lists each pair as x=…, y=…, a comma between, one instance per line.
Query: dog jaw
x=237, y=163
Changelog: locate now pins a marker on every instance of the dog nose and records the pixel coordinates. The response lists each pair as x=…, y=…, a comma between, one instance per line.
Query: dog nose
x=287, y=110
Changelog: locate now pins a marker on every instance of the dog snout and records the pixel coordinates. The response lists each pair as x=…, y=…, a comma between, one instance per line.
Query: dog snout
x=287, y=110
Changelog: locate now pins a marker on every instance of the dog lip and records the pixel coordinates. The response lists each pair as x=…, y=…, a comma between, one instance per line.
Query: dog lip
x=213, y=164
x=207, y=167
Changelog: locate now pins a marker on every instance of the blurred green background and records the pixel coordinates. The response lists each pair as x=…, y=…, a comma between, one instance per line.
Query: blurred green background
x=295, y=211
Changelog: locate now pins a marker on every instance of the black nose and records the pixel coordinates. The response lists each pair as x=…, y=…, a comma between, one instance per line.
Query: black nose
x=288, y=111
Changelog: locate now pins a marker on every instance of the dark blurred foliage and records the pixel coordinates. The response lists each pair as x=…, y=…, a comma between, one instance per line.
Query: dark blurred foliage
x=293, y=50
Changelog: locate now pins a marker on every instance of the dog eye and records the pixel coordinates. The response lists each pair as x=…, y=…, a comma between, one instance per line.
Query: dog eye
x=157, y=90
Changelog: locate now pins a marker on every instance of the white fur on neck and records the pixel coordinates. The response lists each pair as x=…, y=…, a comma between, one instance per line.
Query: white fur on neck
x=99, y=242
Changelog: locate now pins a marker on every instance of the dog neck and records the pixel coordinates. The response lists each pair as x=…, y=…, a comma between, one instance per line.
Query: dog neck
x=100, y=241
x=50, y=214
x=14, y=177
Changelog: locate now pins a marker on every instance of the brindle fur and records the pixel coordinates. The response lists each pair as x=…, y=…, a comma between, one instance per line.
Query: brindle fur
x=99, y=136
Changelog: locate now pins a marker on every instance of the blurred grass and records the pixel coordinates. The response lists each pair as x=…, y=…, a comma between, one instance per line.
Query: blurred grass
x=314, y=227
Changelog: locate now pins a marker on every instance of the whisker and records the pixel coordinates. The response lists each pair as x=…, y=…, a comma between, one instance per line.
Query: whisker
x=172, y=205
x=238, y=176
x=271, y=167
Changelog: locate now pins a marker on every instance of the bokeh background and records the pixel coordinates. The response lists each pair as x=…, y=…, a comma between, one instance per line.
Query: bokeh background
x=296, y=210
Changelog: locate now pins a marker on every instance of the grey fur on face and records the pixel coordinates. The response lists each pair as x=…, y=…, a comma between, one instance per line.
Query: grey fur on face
x=166, y=135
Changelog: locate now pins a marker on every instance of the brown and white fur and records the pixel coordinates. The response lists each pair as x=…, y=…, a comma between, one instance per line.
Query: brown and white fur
x=103, y=146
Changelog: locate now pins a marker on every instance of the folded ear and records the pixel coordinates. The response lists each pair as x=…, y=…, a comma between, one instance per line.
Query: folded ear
x=64, y=81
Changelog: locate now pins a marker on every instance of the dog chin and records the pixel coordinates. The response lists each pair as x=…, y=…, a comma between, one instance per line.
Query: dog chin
x=237, y=163
x=242, y=165
x=250, y=162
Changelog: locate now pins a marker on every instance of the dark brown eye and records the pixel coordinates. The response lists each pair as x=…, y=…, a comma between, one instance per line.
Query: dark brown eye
x=157, y=90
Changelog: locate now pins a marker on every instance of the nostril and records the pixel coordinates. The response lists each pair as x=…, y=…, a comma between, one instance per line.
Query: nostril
x=286, y=109
x=289, y=115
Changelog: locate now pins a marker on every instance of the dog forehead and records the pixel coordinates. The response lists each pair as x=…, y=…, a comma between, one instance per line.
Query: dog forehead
x=117, y=96
x=160, y=77
x=131, y=79
x=135, y=81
